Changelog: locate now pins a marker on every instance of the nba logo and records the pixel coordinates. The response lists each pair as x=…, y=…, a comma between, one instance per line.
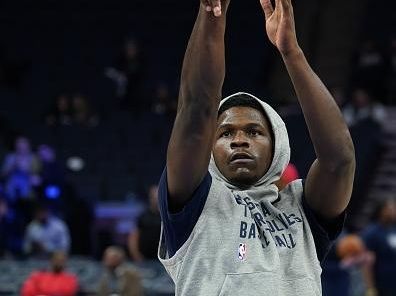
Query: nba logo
x=242, y=252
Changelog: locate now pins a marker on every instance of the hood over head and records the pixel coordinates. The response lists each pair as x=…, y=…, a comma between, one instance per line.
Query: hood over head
x=281, y=156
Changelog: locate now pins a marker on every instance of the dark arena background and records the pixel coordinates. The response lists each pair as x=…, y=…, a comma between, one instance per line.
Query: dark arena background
x=88, y=95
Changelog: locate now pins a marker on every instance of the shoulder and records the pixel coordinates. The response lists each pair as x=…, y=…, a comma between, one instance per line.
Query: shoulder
x=32, y=226
x=36, y=275
x=132, y=273
x=56, y=222
x=293, y=192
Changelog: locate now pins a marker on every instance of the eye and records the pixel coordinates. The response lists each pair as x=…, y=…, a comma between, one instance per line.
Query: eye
x=253, y=132
x=225, y=134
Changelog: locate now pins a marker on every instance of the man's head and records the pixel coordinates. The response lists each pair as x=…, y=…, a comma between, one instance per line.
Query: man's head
x=22, y=145
x=386, y=211
x=244, y=141
x=113, y=257
x=58, y=261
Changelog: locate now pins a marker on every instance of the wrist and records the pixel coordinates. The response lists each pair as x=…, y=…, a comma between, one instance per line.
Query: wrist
x=214, y=27
x=292, y=55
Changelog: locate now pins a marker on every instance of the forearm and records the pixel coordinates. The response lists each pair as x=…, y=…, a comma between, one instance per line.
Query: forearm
x=200, y=91
x=329, y=133
x=204, y=63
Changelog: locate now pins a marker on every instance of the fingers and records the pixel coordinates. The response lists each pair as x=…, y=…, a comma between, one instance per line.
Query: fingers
x=281, y=6
x=286, y=5
x=213, y=6
x=267, y=7
x=216, y=7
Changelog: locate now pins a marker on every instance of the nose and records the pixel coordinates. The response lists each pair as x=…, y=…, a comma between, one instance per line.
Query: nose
x=239, y=140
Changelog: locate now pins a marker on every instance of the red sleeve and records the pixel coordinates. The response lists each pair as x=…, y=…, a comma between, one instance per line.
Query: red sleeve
x=29, y=287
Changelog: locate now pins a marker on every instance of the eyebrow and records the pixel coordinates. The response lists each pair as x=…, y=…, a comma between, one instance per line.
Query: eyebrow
x=249, y=125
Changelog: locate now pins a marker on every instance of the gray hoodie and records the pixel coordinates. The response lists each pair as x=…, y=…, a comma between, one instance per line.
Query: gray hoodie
x=255, y=241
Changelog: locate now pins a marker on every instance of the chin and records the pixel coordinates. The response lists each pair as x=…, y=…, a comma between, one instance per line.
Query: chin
x=243, y=179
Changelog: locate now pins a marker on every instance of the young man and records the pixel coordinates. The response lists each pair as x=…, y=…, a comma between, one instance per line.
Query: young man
x=227, y=230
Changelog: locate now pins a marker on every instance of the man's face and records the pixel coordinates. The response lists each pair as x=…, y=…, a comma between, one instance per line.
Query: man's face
x=112, y=259
x=388, y=213
x=243, y=145
x=22, y=145
x=58, y=261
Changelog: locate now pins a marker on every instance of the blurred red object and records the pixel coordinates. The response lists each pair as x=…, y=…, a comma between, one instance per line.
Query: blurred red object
x=349, y=246
x=50, y=283
x=290, y=174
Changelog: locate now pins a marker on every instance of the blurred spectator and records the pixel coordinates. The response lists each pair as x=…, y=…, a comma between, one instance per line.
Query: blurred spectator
x=52, y=282
x=370, y=68
x=163, y=102
x=51, y=179
x=380, y=238
x=61, y=113
x=46, y=234
x=128, y=75
x=348, y=269
x=143, y=241
x=362, y=107
x=51, y=171
x=358, y=262
x=83, y=114
x=118, y=279
x=20, y=169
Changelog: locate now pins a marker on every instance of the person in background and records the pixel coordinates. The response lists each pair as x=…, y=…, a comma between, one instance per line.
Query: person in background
x=83, y=113
x=127, y=74
x=358, y=262
x=46, y=234
x=380, y=238
x=143, y=241
x=118, y=279
x=20, y=168
x=163, y=102
x=362, y=107
x=51, y=171
x=55, y=281
x=61, y=113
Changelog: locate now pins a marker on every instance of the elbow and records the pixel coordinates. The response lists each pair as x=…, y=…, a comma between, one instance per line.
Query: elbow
x=197, y=114
x=342, y=159
x=346, y=156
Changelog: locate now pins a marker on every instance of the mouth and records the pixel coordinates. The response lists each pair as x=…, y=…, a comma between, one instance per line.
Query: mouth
x=241, y=157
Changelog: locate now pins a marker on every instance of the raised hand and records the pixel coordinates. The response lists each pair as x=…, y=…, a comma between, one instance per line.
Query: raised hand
x=280, y=25
x=215, y=6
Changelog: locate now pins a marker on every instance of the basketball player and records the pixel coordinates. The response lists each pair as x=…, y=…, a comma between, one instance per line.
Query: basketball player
x=227, y=230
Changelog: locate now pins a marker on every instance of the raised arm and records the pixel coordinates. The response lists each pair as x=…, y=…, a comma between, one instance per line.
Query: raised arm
x=329, y=182
x=200, y=91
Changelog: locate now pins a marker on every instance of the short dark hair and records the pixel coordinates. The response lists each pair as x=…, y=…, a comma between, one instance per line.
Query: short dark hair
x=241, y=100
